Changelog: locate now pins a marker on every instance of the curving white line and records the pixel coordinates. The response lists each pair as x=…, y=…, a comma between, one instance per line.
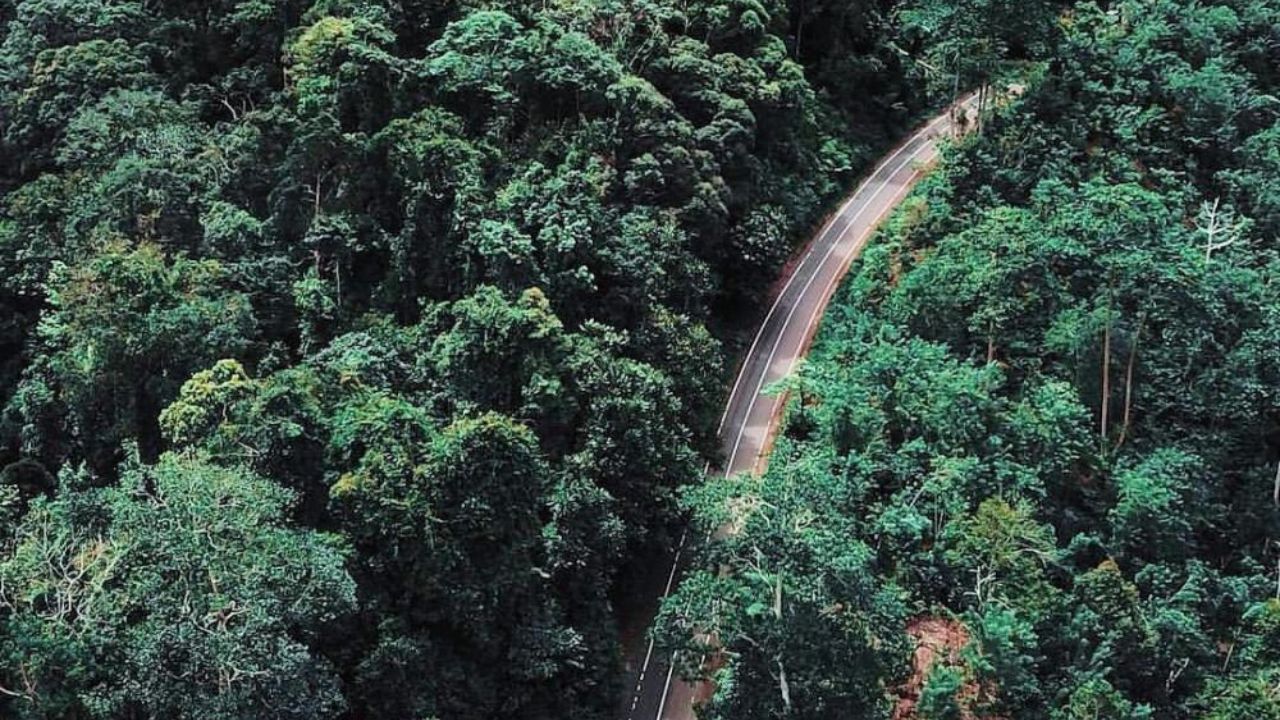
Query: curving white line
x=822, y=234
x=945, y=118
x=777, y=403
x=644, y=668
x=737, y=443
x=861, y=243
x=666, y=592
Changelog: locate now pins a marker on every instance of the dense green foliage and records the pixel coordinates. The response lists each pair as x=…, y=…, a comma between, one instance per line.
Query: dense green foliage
x=175, y=593
x=1044, y=407
x=348, y=348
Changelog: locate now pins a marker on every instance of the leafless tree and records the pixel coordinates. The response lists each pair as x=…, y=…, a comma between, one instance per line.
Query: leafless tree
x=1220, y=227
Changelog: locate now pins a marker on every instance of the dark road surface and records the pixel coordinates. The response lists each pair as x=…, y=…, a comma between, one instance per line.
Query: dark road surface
x=750, y=415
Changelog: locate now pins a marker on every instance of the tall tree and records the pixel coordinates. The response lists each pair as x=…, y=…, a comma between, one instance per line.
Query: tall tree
x=178, y=592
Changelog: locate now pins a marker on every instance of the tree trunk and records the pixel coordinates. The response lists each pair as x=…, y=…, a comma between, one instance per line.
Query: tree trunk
x=1128, y=384
x=956, y=113
x=982, y=105
x=1106, y=379
x=1275, y=493
x=799, y=30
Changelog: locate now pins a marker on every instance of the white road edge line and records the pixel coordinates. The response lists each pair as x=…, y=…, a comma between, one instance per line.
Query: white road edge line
x=861, y=243
x=666, y=592
x=737, y=443
x=822, y=234
x=666, y=689
x=836, y=278
x=644, y=668
x=945, y=118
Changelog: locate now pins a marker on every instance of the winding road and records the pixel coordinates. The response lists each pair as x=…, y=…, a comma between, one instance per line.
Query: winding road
x=750, y=416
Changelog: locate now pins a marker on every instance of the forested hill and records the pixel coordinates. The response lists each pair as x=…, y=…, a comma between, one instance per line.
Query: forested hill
x=1030, y=470
x=348, y=348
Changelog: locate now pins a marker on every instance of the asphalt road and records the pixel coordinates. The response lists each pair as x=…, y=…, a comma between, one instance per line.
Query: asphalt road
x=751, y=416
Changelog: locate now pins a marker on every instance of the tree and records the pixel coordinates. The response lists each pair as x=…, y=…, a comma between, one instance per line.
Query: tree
x=1251, y=697
x=126, y=326
x=449, y=528
x=939, y=700
x=966, y=42
x=177, y=592
x=632, y=441
x=1159, y=507
x=1094, y=698
x=499, y=355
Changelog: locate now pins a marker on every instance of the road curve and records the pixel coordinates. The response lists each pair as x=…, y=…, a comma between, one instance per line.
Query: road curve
x=750, y=416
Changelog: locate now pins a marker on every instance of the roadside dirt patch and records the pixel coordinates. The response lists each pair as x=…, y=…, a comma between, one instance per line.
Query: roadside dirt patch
x=936, y=639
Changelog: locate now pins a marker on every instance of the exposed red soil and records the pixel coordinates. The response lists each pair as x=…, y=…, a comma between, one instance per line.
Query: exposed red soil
x=936, y=639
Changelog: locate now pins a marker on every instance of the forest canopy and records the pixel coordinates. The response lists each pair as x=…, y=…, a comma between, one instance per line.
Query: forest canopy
x=352, y=352
x=1036, y=443
x=349, y=348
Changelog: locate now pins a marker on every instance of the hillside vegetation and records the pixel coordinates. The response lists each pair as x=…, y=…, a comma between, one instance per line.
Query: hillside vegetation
x=1040, y=430
x=349, y=348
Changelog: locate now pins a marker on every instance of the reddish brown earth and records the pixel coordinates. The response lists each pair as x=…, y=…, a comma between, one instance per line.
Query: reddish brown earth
x=937, y=640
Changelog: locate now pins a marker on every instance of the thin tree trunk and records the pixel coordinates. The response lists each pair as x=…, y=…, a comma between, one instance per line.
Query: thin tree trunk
x=955, y=90
x=800, y=30
x=982, y=106
x=1128, y=383
x=955, y=99
x=1275, y=493
x=991, y=342
x=1106, y=378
